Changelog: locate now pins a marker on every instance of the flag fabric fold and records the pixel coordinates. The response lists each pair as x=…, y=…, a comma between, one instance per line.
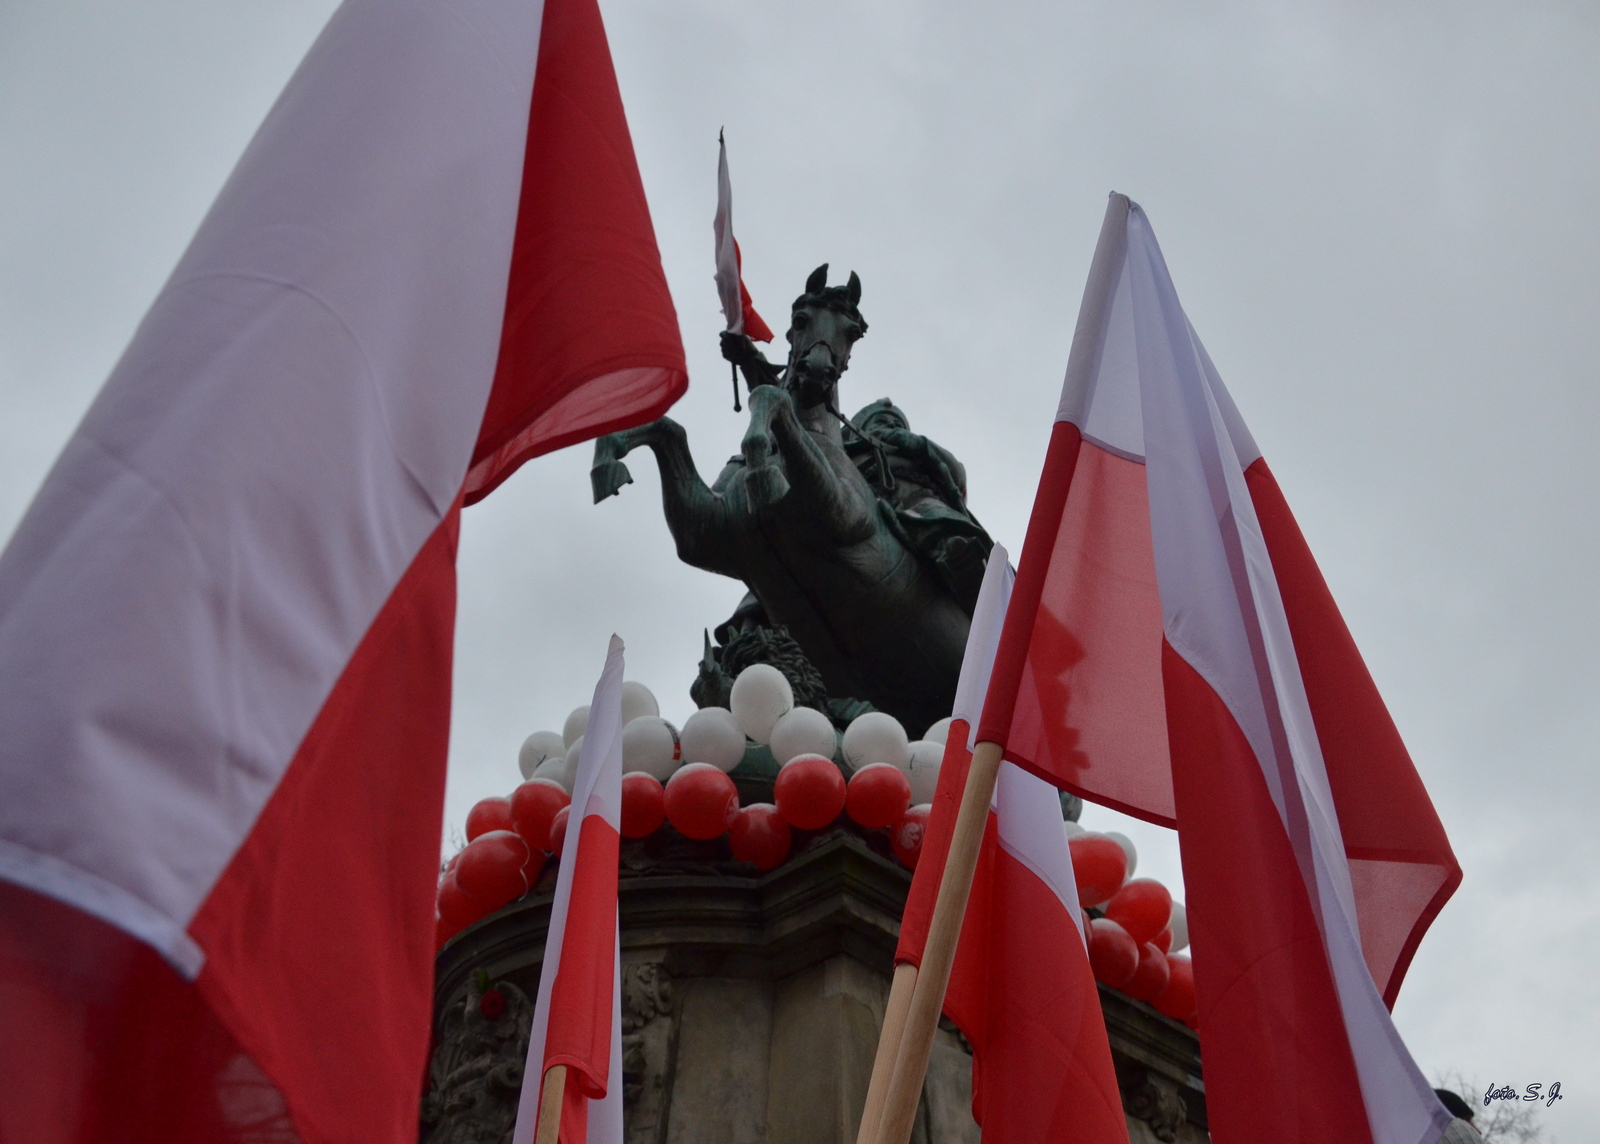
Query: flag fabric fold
x=1172, y=651
x=1021, y=989
x=226, y=621
x=577, y=1018
x=737, y=307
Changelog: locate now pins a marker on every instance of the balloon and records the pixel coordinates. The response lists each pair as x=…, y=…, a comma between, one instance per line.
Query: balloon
x=650, y=745
x=810, y=792
x=493, y=868
x=488, y=814
x=712, y=735
x=1073, y=829
x=1099, y=865
x=644, y=805
x=538, y=747
x=557, y=770
x=1142, y=907
x=1151, y=977
x=759, y=836
x=1179, y=925
x=939, y=732
x=533, y=806
x=558, y=829
x=1113, y=955
x=577, y=723
x=760, y=697
x=1177, y=1000
x=875, y=737
x=877, y=795
x=1163, y=940
x=803, y=731
x=1128, y=848
x=925, y=758
x=701, y=801
x=457, y=910
x=638, y=702
x=906, y=837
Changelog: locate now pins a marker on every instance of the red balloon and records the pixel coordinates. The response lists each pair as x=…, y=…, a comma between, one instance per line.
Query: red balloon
x=1100, y=866
x=701, y=801
x=759, y=836
x=878, y=795
x=1152, y=975
x=493, y=868
x=1113, y=955
x=810, y=792
x=1178, y=1000
x=1163, y=940
x=558, y=829
x=1143, y=907
x=458, y=910
x=644, y=804
x=906, y=837
x=533, y=806
x=488, y=814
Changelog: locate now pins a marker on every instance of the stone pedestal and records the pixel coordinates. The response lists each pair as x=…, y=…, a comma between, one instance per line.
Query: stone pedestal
x=751, y=1006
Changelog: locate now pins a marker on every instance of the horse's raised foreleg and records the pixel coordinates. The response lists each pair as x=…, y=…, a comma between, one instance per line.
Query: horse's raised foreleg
x=775, y=428
x=696, y=516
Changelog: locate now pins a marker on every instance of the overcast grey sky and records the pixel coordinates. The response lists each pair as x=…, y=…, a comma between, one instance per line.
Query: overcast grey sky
x=1384, y=222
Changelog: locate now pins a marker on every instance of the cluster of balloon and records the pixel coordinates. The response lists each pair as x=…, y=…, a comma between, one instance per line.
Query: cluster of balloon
x=1133, y=946
x=681, y=777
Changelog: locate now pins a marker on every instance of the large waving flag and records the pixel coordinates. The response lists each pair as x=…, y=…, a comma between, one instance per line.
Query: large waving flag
x=1021, y=989
x=577, y=1019
x=1172, y=650
x=226, y=620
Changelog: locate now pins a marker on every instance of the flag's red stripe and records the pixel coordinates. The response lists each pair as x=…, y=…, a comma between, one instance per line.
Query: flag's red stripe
x=319, y=935
x=1033, y=569
x=1278, y=1064
x=590, y=342
x=579, y=1033
x=1385, y=814
x=1023, y=994
x=918, y=913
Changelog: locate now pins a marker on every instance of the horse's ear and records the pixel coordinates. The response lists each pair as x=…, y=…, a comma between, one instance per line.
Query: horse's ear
x=818, y=280
x=852, y=290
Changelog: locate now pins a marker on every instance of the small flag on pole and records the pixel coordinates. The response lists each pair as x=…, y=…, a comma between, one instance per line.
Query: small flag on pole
x=736, y=305
x=575, y=1044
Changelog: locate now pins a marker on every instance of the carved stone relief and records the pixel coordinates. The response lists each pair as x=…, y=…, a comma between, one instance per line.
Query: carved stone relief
x=475, y=1076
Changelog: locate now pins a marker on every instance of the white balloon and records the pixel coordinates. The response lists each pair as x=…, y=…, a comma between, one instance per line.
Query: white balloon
x=1128, y=848
x=1179, y=925
x=559, y=770
x=939, y=732
x=925, y=757
x=1073, y=829
x=650, y=744
x=637, y=702
x=803, y=731
x=875, y=737
x=712, y=735
x=760, y=697
x=577, y=723
x=538, y=747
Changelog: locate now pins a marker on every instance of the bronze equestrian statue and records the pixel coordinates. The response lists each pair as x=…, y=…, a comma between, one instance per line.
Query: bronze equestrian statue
x=855, y=536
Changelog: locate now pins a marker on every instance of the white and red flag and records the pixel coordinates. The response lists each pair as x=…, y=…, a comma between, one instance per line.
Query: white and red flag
x=1172, y=650
x=737, y=307
x=577, y=1020
x=1021, y=989
x=226, y=620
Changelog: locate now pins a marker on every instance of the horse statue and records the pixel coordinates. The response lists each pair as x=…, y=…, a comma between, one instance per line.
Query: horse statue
x=862, y=548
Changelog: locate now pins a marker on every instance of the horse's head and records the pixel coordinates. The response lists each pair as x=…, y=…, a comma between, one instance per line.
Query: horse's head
x=824, y=325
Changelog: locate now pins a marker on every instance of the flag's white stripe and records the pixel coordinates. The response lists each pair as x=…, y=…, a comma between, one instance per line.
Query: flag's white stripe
x=727, y=255
x=599, y=768
x=1222, y=612
x=983, y=638
x=290, y=423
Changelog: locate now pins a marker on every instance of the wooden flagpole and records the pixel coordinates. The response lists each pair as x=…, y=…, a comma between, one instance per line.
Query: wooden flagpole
x=944, y=930
x=889, y=1038
x=548, y=1127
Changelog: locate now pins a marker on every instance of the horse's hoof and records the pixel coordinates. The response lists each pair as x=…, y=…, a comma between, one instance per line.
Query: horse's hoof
x=607, y=478
x=766, y=485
